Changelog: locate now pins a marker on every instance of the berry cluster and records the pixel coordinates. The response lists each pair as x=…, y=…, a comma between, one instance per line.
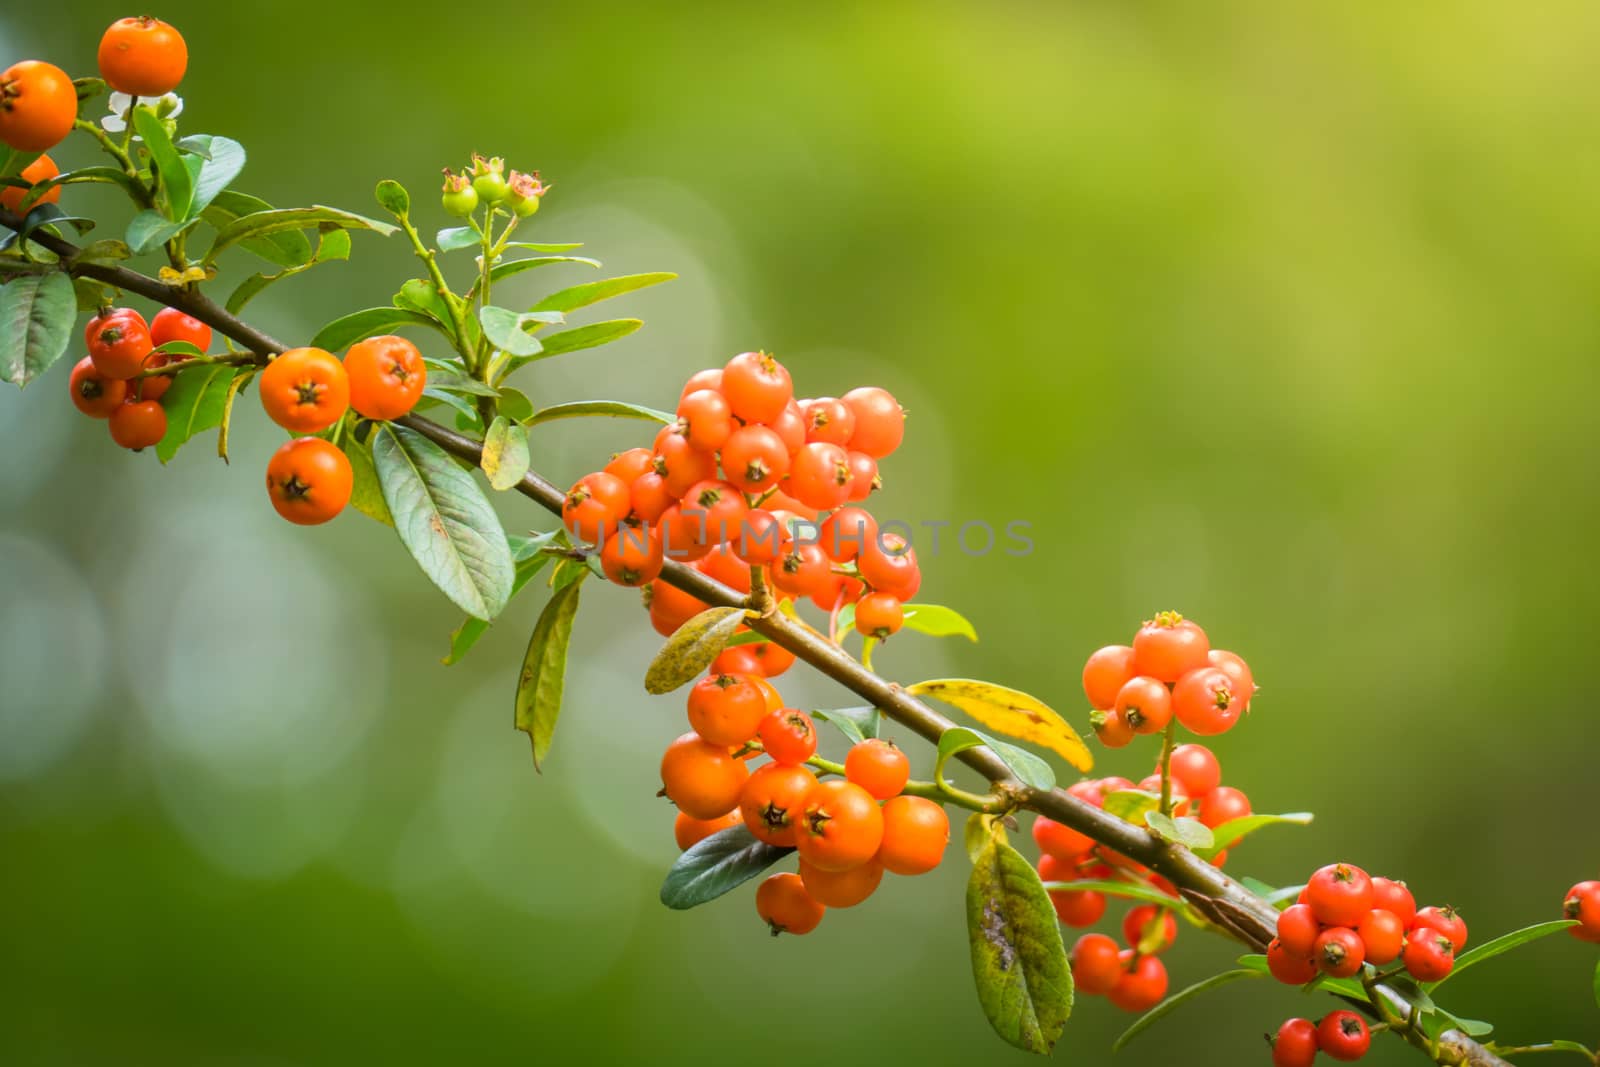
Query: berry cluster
x=1343, y=1035
x=1582, y=905
x=114, y=381
x=486, y=182
x=1344, y=919
x=847, y=830
x=1170, y=671
x=750, y=477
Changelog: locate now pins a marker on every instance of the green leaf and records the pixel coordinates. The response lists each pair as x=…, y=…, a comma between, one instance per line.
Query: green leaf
x=444, y=520
x=611, y=408
x=287, y=248
x=504, y=329
x=195, y=402
x=534, y=246
x=531, y=559
x=857, y=724
x=1130, y=805
x=1190, y=833
x=331, y=245
x=86, y=175
x=1127, y=890
x=466, y=411
x=724, y=861
x=1573, y=1046
x=177, y=184
x=539, y=686
x=277, y=220
x=392, y=197
x=1013, y=713
x=223, y=159
x=366, y=495
x=593, y=292
x=13, y=161
x=421, y=296
x=591, y=336
x=1018, y=961
x=1166, y=1007
x=505, y=453
x=501, y=271
x=37, y=313
x=359, y=325
x=149, y=230
x=450, y=378
x=457, y=237
x=1029, y=769
x=515, y=405
x=1504, y=943
x=936, y=620
x=104, y=252
x=691, y=649
x=1229, y=833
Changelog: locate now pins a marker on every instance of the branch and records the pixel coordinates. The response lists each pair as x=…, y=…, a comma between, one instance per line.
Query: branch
x=1227, y=903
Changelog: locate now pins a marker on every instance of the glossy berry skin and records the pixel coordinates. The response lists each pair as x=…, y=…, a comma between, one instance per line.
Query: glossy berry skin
x=774, y=703
x=42, y=169
x=93, y=393
x=38, y=104
x=1146, y=704
x=1338, y=952
x=1428, y=955
x=726, y=709
x=119, y=342
x=1295, y=1044
x=705, y=420
x=680, y=464
x=880, y=421
x=1204, y=702
x=309, y=481
x=1447, y=921
x=828, y=419
x=864, y=478
x=790, y=425
x=785, y=906
x=1234, y=666
x=1223, y=805
x=1197, y=769
x=632, y=556
x=1075, y=907
x=387, y=376
x=710, y=378
x=138, y=424
x=631, y=464
x=1340, y=894
x=1112, y=728
x=819, y=476
x=915, y=834
x=595, y=506
x=1298, y=929
x=841, y=889
x=702, y=779
x=879, y=615
x=1287, y=967
x=803, y=570
x=788, y=735
x=889, y=565
x=671, y=607
x=765, y=660
x=170, y=325
x=771, y=801
x=1136, y=925
x=842, y=827
x=143, y=56
x=1343, y=1035
x=305, y=390
x=1096, y=966
x=844, y=534
x=878, y=767
x=1058, y=840
x=1108, y=669
x=755, y=458
x=1394, y=897
x=1169, y=646
x=1384, y=936
x=684, y=537
x=760, y=539
x=1582, y=904
x=757, y=386
x=688, y=831
x=1142, y=985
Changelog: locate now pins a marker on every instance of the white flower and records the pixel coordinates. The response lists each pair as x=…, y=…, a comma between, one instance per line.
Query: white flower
x=121, y=105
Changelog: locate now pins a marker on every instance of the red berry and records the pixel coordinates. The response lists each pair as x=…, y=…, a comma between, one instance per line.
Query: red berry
x=1582, y=903
x=1338, y=952
x=1143, y=982
x=1096, y=966
x=844, y=534
x=138, y=424
x=1112, y=728
x=1234, y=666
x=1343, y=1035
x=1141, y=923
x=1169, y=646
x=1394, y=897
x=788, y=735
x=1340, y=894
x=819, y=477
x=681, y=464
x=1384, y=936
x=631, y=465
x=1106, y=672
x=1428, y=955
x=1197, y=769
x=757, y=386
x=1298, y=929
x=790, y=426
x=711, y=378
x=1223, y=805
x=595, y=505
x=864, y=480
x=755, y=458
x=94, y=394
x=828, y=420
x=1058, y=840
x=880, y=421
x=889, y=564
x=1287, y=967
x=802, y=570
x=1447, y=921
x=1295, y=1044
x=879, y=615
x=719, y=505
x=1146, y=704
x=1204, y=701
x=761, y=538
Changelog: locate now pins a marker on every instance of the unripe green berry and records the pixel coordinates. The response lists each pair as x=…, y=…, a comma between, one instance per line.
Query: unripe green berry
x=491, y=188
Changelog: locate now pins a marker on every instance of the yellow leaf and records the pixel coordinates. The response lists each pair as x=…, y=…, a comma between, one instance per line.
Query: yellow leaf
x=1012, y=713
x=691, y=649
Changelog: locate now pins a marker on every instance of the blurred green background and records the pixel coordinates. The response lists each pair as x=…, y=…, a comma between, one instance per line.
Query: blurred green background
x=1282, y=315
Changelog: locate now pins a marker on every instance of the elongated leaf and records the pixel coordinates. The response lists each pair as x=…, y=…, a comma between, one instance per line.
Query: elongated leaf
x=857, y=724
x=580, y=337
x=1012, y=713
x=457, y=237
x=1166, y=1007
x=543, y=677
x=505, y=453
x=1230, y=832
x=450, y=378
x=1018, y=961
x=1127, y=890
x=239, y=381
x=149, y=230
x=615, y=409
x=535, y=246
x=725, y=860
x=444, y=520
x=223, y=160
x=177, y=184
x=505, y=329
x=1029, y=769
x=104, y=251
x=194, y=402
x=1504, y=943
x=593, y=292
x=276, y=220
x=1190, y=833
x=286, y=248
x=1130, y=805
x=516, y=266
x=691, y=649
x=1282, y=898
x=530, y=560
x=936, y=620
x=331, y=245
x=359, y=325
x=37, y=313
x=366, y=495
